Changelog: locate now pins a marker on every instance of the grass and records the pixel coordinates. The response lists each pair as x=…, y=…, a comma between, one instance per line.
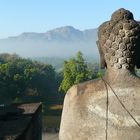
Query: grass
x=51, y=121
x=56, y=107
x=53, y=117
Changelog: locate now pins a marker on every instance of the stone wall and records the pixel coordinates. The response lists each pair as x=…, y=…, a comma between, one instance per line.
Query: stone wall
x=21, y=122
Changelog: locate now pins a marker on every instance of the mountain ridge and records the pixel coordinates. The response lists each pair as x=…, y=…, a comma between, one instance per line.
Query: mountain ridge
x=56, y=33
x=62, y=39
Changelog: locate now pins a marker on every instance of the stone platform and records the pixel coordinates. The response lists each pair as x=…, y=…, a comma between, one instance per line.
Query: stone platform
x=21, y=122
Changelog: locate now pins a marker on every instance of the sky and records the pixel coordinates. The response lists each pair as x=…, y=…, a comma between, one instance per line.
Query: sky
x=18, y=16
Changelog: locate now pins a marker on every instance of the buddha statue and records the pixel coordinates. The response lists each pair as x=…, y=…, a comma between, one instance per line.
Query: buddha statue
x=108, y=108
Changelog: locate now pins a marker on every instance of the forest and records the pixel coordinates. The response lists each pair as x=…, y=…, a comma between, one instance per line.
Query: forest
x=26, y=80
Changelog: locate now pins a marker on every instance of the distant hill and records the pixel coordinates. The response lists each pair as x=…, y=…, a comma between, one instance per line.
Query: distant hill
x=60, y=42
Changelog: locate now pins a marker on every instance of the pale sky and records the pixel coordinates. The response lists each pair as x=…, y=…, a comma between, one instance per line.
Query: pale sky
x=18, y=16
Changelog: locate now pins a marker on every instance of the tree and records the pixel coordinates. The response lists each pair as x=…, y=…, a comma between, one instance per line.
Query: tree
x=24, y=80
x=75, y=71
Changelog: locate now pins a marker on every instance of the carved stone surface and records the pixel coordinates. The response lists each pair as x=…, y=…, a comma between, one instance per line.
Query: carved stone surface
x=121, y=33
x=84, y=114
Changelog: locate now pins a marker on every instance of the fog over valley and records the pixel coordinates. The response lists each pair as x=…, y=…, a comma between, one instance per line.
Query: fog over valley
x=60, y=42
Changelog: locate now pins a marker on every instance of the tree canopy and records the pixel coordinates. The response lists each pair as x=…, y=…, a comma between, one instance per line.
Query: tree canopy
x=24, y=80
x=75, y=71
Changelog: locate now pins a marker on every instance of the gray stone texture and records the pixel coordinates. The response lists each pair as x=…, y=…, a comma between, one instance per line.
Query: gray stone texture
x=21, y=122
x=84, y=114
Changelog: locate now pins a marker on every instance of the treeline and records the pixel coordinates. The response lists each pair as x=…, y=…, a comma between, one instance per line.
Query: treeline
x=77, y=70
x=25, y=80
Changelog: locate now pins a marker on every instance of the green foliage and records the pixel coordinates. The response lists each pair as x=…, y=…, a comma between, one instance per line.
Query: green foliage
x=75, y=71
x=23, y=80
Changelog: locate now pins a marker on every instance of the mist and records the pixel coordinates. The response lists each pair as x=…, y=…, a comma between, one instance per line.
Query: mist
x=51, y=49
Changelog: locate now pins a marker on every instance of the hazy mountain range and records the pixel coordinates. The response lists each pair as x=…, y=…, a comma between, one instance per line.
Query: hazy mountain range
x=60, y=42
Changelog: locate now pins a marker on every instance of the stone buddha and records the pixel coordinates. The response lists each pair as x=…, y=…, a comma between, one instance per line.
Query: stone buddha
x=108, y=108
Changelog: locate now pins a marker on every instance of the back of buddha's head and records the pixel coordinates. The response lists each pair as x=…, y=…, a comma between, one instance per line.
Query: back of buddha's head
x=119, y=41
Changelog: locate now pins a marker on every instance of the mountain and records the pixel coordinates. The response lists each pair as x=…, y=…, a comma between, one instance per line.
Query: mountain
x=66, y=34
x=63, y=41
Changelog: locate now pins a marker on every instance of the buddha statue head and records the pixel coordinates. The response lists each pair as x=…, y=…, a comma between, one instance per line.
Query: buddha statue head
x=108, y=107
x=119, y=42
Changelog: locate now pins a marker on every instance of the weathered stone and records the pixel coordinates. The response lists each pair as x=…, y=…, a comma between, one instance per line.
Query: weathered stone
x=120, y=26
x=115, y=46
x=122, y=33
x=116, y=31
x=122, y=60
x=112, y=52
x=118, y=39
x=100, y=109
x=122, y=46
x=126, y=40
x=118, y=53
x=129, y=60
x=108, y=43
x=118, y=66
x=130, y=46
x=114, y=59
x=125, y=66
x=127, y=53
x=129, y=34
x=112, y=37
x=107, y=56
x=21, y=122
x=127, y=26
